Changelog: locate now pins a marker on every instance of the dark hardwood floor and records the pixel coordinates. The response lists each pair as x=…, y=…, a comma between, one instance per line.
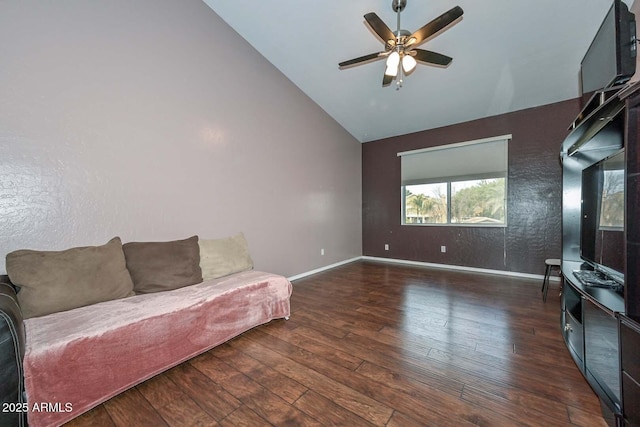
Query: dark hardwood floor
x=385, y=345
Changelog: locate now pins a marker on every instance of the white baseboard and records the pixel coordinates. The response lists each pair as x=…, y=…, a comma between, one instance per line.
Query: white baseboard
x=424, y=264
x=459, y=267
x=321, y=269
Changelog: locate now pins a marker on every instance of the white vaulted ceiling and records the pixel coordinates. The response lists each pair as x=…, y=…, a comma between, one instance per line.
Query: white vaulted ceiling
x=507, y=55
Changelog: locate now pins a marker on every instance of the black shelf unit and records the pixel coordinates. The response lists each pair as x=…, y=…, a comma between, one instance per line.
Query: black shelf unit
x=600, y=326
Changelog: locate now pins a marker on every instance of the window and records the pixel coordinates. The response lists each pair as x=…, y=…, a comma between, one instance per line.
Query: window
x=461, y=184
x=612, y=208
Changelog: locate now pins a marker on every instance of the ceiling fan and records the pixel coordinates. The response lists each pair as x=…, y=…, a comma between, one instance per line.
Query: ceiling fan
x=400, y=48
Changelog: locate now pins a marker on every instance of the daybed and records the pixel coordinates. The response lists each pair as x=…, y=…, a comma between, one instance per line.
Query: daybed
x=77, y=358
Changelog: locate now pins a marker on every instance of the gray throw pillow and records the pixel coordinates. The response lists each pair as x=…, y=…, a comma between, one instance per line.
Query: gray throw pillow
x=52, y=281
x=162, y=266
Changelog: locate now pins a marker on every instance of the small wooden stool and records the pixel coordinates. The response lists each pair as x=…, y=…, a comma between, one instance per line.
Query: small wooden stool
x=550, y=263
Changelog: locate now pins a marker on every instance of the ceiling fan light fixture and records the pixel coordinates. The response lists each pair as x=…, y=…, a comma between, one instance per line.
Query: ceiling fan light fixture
x=393, y=60
x=392, y=64
x=408, y=63
x=391, y=71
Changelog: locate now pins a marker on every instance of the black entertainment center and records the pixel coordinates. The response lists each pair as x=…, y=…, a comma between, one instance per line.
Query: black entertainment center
x=601, y=235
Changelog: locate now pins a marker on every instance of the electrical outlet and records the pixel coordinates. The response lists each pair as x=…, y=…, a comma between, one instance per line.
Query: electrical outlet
x=386, y=246
x=443, y=249
x=322, y=251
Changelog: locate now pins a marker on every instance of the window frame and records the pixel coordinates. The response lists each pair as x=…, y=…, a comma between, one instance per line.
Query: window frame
x=450, y=180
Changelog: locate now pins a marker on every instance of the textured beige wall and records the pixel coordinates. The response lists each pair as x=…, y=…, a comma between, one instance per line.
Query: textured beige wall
x=153, y=120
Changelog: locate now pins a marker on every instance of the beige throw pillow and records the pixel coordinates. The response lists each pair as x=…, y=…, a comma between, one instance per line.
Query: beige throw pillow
x=162, y=266
x=221, y=257
x=52, y=281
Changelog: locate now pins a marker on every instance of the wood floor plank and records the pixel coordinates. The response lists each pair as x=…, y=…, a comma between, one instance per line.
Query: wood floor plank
x=160, y=390
x=525, y=413
x=402, y=397
x=185, y=412
x=358, y=403
x=213, y=399
x=399, y=419
x=585, y=419
x=98, y=417
x=328, y=412
x=281, y=385
x=384, y=355
x=409, y=379
x=372, y=343
x=427, y=403
x=131, y=408
x=174, y=406
x=244, y=417
x=260, y=400
x=337, y=356
x=480, y=373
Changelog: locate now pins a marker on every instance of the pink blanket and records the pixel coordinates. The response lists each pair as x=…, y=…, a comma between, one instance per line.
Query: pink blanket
x=80, y=358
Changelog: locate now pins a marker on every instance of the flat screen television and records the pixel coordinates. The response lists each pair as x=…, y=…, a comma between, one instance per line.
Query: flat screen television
x=611, y=57
x=602, y=237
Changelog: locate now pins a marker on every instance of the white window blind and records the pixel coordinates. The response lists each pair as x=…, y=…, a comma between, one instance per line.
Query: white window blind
x=482, y=158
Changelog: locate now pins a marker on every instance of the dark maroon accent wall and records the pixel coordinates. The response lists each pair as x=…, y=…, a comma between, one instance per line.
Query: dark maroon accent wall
x=534, y=210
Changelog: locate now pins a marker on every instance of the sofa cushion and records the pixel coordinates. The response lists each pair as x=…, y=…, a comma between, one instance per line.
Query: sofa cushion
x=162, y=266
x=52, y=281
x=222, y=257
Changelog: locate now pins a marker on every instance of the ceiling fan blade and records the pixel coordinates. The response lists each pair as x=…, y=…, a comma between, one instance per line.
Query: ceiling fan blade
x=435, y=26
x=361, y=59
x=432, y=58
x=380, y=27
x=386, y=80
